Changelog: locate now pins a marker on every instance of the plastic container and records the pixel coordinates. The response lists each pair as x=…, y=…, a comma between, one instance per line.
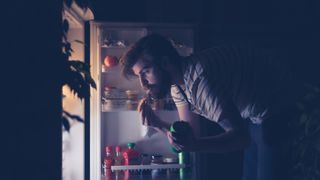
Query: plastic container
x=156, y=159
x=170, y=159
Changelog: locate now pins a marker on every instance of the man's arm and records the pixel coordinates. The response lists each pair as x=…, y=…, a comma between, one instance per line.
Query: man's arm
x=214, y=102
x=193, y=119
x=234, y=138
x=231, y=140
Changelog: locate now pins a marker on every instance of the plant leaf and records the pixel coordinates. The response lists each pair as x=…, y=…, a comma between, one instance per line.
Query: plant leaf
x=80, y=42
x=73, y=117
x=78, y=85
x=65, y=25
x=65, y=123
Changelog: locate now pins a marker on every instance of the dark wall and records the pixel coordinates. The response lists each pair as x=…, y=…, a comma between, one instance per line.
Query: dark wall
x=147, y=11
x=289, y=24
x=30, y=90
x=30, y=66
x=119, y=10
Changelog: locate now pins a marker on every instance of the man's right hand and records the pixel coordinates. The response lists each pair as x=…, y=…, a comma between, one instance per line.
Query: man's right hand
x=149, y=118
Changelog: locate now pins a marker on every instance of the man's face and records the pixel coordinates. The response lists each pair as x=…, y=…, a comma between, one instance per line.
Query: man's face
x=155, y=80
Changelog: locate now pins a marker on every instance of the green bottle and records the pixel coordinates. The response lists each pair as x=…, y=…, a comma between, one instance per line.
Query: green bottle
x=182, y=128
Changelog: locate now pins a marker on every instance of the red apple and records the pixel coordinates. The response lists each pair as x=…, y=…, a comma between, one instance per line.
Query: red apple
x=110, y=61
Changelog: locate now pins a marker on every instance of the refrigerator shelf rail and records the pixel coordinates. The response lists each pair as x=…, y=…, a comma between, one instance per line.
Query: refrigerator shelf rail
x=147, y=167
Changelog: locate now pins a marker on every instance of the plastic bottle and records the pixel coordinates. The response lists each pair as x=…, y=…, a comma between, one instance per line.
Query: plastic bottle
x=108, y=160
x=156, y=159
x=144, y=159
x=131, y=156
x=118, y=159
x=181, y=128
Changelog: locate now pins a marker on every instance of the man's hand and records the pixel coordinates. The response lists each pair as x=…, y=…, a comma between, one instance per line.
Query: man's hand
x=148, y=117
x=183, y=142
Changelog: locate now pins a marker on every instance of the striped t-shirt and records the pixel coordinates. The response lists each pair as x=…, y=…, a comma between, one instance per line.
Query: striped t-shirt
x=234, y=82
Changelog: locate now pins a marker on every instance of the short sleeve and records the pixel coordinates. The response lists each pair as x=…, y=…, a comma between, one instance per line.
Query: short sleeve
x=177, y=96
x=215, y=103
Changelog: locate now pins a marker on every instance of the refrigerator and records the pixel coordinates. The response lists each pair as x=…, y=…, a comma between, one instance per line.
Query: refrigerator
x=111, y=109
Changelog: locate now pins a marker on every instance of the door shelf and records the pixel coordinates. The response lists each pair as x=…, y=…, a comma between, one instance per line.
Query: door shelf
x=147, y=167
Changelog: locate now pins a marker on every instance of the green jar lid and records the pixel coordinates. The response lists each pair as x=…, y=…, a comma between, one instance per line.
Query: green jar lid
x=180, y=127
x=131, y=145
x=172, y=128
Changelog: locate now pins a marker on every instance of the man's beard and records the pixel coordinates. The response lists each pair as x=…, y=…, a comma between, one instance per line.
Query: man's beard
x=161, y=89
x=157, y=92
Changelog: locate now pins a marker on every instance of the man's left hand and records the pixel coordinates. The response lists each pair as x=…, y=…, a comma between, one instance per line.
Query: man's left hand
x=183, y=142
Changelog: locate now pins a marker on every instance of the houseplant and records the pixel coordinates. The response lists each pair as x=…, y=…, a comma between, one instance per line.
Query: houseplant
x=76, y=72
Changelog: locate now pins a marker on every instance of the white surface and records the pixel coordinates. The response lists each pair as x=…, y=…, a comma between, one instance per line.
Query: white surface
x=73, y=141
x=73, y=161
x=95, y=106
x=125, y=127
x=147, y=167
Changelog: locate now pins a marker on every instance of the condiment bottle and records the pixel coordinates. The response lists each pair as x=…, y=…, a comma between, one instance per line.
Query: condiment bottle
x=144, y=158
x=131, y=156
x=118, y=159
x=108, y=160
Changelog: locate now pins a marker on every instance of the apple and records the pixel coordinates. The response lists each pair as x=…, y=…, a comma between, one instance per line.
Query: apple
x=110, y=61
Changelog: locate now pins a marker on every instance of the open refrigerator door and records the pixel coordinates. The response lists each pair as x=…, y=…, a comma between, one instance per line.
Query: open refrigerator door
x=114, y=120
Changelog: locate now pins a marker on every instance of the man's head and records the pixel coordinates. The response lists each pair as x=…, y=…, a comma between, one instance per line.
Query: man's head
x=149, y=59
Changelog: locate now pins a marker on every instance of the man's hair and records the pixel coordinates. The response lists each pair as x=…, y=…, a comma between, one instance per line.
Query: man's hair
x=153, y=45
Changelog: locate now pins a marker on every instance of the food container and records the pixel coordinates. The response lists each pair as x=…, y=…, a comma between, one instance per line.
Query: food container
x=132, y=95
x=156, y=159
x=132, y=104
x=113, y=104
x=170, y=159
x=114, y=93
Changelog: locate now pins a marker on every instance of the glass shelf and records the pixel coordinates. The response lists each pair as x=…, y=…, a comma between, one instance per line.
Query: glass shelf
x=114, y=47
x=147, y=167
x=125, y=104
x=134, y=110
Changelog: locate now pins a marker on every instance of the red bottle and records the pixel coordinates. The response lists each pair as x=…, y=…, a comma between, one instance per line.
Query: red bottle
x=118, y=158
x=108, y=159
x=131, y=156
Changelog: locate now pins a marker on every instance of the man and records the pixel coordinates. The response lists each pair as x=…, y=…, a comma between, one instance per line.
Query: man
x=245, y=89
